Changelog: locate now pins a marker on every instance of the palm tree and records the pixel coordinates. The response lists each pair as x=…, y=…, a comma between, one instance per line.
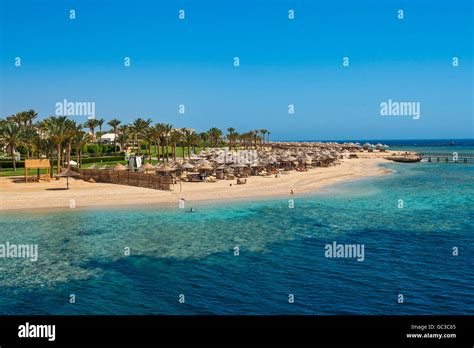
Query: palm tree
x=18, y=118
x=114, y=123
x=92, y=124
x=175, y=137
x=230, y=136
x=137, y=129
x=79, y=140
x=158, y=131
x=11, y=136
x=30, y=115
x=268, y=137
x=28, y=138
x=100, y=122
x=190, y=137
x=149, y=137
x=123, y=139
x=57, y=131
x=70, y=131
x=255, y=134
x=262, y=136
x=215, y=134
x=166, y=135
x=204, y=137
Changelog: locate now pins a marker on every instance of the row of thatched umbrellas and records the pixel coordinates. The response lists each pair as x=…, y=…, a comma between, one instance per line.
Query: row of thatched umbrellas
x=277, y=154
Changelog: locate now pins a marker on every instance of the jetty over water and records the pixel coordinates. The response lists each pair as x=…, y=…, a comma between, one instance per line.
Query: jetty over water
x=448, y=157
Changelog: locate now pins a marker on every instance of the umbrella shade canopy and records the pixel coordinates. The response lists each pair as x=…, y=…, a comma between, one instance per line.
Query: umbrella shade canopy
x=165, y=168
x=187, y=165
x=148, y=166
x=119, y=166
x=93, y=167
x=68, y=173
x=105, y=167
x=238, y=165
x=205, y=166
x=203, y=161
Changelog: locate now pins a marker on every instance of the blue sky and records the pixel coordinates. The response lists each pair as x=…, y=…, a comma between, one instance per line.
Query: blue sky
x=283, y=62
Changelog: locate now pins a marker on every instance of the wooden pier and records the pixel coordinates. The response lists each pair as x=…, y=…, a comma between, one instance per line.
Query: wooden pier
x=448, y=157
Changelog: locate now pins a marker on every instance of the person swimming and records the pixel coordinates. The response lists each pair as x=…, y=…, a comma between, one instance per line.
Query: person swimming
x=191, y=210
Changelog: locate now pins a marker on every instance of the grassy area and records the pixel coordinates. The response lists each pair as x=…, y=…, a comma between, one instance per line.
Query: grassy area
x=21, y=172
x=179, y=154
x=179, y=151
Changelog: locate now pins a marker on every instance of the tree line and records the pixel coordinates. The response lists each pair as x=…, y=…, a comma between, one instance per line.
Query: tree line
x=59, y=136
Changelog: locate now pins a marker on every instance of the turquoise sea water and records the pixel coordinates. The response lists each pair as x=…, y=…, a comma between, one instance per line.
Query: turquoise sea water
x=408, y=251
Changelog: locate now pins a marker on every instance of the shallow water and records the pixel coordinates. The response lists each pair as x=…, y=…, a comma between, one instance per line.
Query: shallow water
x=282, y=251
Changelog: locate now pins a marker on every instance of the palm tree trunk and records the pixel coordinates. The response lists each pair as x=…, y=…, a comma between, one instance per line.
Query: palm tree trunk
x=69, y=155
x=58, y=163
x=13, y=157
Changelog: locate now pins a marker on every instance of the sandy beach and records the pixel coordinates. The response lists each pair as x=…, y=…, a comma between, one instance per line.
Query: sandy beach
x=18, y=195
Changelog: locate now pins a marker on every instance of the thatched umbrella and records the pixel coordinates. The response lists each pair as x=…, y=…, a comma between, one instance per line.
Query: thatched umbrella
x=205, y=166
x=67, y=174
x=120, y=167
x=147, y=166
x=187, y=166
x=93, y=167
x=238, y=165
x=164, y=169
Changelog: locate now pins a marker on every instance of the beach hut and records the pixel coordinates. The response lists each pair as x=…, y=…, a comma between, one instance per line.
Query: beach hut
x=37, y=164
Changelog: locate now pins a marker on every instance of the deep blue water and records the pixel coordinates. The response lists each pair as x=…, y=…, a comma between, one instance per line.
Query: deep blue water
x=407, y=251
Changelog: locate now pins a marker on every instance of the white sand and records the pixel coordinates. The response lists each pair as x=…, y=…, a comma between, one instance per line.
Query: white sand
x=15, y=194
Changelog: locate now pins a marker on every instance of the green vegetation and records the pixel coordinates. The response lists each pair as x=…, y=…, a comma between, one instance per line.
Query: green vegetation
x=61, y=140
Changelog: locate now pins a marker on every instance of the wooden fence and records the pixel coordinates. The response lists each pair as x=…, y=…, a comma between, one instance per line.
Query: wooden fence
x=124, y=177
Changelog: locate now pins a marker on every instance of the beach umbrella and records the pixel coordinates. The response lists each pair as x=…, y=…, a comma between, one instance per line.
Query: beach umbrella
x=238, y=165
x=93, y=167
x=205, y=166
x=203, y=161
x=147, y=166
x=67, y=174
x=187, y=166
x=120, y=167
x=165, y=168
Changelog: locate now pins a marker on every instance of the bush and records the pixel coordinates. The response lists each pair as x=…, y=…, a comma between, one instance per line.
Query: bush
x=9, y=164
x=103, y=159
x=93, y=149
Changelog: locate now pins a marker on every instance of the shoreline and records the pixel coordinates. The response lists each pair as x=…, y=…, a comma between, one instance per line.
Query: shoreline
x=18, y=196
